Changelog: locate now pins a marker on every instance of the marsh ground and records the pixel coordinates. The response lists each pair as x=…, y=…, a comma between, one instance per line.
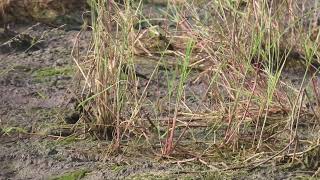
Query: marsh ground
x=40, y=138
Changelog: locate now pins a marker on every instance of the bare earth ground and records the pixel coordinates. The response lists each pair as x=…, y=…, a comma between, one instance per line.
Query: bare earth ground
x=37, y=98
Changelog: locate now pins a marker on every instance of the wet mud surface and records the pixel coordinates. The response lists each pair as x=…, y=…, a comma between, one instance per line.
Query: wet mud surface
x=36, y=91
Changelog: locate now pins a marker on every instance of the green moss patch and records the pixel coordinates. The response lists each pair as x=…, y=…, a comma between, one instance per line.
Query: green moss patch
x=79, y=174
x=45, y=73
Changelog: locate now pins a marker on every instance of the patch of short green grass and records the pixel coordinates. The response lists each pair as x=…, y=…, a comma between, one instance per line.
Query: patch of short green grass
x=78, y=174
x=63, y=142
x=11, y=130
x=48, y=72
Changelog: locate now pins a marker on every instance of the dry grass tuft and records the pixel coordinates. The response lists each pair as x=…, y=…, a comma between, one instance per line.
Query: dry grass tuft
x=241, y=50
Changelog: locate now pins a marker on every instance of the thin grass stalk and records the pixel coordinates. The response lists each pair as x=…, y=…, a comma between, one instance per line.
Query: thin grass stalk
x=184, y=73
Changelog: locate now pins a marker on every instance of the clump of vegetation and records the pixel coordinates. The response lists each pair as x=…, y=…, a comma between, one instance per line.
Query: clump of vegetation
x=75, y=175
x=241, y=50
x=11, y=130
x=48, y=72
